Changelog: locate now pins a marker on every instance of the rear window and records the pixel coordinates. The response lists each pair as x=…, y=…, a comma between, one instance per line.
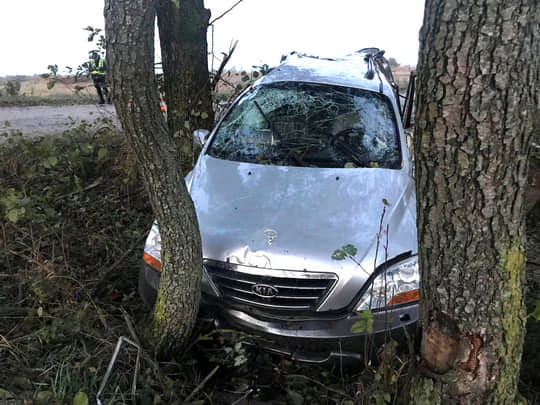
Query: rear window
x=310, y=125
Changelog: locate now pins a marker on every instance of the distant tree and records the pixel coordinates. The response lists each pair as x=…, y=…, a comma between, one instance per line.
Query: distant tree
x=13, y=87
x=164, y=149
x=393, y=62
x=478, y=94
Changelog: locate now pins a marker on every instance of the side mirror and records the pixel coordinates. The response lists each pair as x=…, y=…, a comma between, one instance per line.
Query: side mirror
x=200, y=136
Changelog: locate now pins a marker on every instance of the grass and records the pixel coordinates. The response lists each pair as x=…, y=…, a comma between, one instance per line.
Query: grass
x=73, y=211
x=27, y=101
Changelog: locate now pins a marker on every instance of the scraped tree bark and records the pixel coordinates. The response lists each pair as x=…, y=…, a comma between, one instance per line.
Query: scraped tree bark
x=477, y=96
x=129, y=28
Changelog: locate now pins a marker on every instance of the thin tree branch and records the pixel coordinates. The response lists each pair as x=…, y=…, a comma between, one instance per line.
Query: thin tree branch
x=226, y=12
x=224, y=62
x=203, y=382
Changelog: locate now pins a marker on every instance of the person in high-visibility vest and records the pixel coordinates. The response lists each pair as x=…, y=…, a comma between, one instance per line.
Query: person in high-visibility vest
x=97, y=71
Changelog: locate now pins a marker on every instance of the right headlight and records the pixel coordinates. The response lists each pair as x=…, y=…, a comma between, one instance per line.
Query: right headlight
x=398, y=284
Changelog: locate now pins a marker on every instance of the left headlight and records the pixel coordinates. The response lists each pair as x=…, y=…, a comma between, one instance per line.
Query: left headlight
x=398, y=284
x=152, y=248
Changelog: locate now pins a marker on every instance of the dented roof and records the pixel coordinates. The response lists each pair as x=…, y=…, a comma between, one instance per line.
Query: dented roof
x=350, y=71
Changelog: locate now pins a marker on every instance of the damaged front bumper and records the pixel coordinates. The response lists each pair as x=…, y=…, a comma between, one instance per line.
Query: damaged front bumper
x=319, y=338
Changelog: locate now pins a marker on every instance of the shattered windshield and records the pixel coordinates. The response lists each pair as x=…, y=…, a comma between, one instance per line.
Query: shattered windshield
x=311, y=125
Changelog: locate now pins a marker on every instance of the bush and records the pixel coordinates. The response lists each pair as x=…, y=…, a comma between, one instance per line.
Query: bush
x=73, y=217
x=13, y=87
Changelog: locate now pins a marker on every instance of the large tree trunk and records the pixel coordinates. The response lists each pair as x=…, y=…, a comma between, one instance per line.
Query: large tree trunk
x=477, y=95
x=129, y=27
x=182, y=31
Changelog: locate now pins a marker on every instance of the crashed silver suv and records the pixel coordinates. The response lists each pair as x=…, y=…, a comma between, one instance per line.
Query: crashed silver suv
x=306, y=205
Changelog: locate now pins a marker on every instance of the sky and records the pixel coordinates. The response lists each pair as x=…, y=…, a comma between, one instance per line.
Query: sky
x=37, y=33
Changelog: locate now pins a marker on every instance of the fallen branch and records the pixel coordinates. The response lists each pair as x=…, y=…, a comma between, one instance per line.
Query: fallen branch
x=202, y=383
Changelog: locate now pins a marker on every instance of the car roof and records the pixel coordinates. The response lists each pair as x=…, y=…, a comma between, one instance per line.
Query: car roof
x=349, y=71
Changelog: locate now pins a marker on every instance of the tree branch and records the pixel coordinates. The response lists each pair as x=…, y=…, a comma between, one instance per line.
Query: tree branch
x=226, y=12
x=224, y=62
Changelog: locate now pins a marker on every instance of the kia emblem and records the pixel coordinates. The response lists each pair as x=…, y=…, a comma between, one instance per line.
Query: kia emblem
x=264, y=290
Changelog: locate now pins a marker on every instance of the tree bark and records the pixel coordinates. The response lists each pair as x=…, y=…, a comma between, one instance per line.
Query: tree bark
x=129, y=27
x=182, y=31
x=477, y=96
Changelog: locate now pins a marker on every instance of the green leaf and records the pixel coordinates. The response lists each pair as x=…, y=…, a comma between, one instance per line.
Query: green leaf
x=358, y=327
x=350, y=250
x=50, y=84
x=339, y=255
x=365, y=323
x=385, y=202
x=536, y=313
x=43, y=398
x=15, y=214
x=204, y=115
x=50, y=162
x=80, y=398
x=5, y=394
x=102, y=153
x=366, y=314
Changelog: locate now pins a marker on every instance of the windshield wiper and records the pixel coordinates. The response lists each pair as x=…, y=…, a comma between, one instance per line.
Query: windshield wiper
x=270, y=123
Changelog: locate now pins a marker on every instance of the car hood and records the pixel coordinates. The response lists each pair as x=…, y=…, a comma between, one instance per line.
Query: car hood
x=294, y=218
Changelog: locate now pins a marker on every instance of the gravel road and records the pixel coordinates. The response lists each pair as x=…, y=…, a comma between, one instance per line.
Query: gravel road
x=51, y=119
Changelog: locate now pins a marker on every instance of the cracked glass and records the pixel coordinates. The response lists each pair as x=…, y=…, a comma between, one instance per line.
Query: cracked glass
x=310, y=125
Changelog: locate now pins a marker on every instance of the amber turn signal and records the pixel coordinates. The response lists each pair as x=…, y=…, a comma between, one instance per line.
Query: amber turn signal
x=407, y=296
x=152, y=261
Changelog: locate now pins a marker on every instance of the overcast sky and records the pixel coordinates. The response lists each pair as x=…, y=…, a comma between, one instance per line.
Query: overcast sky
x=36, y=33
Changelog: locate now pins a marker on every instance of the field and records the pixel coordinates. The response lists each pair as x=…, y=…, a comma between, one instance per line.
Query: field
x=33, y=90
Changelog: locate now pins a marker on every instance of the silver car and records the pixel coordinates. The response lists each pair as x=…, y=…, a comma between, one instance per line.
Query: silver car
x=306, y=205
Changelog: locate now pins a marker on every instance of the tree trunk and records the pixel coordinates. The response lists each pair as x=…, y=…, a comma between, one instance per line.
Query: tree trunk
x=129, y=27
x=182, y=30
x=477, y=96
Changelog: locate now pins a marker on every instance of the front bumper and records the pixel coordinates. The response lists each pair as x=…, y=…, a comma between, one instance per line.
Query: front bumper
x=325, y=336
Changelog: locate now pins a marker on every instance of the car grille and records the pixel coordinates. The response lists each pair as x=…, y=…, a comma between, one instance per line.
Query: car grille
x=269, y=288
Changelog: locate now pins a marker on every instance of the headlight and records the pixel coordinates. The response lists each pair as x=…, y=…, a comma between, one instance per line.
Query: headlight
x=152, y=248
x=400, y=285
